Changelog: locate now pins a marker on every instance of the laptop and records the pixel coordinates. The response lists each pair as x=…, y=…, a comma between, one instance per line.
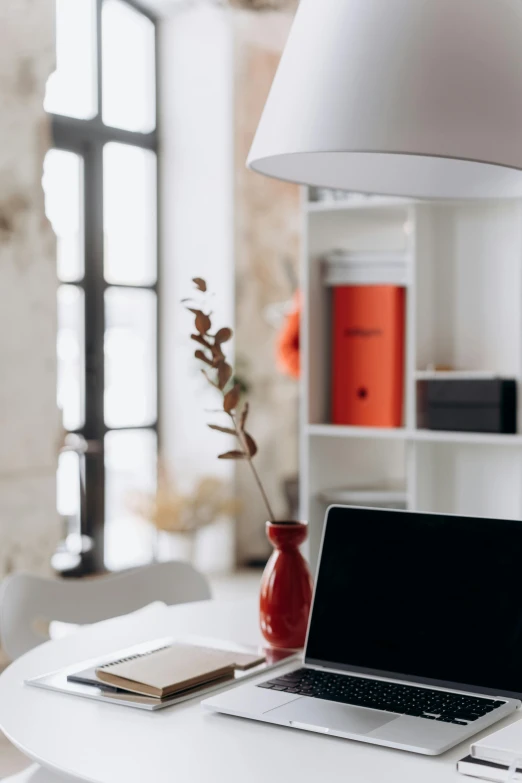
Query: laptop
x=415, y=633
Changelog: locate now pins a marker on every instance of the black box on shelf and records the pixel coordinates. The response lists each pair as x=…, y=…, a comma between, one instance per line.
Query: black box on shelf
x=488, y=405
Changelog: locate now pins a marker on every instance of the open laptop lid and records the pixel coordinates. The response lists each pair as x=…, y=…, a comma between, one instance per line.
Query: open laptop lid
x=429, y=598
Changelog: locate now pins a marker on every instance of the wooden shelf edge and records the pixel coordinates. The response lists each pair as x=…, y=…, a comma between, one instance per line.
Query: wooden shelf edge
x=479, y=438
x=412, y=435
x=337, y=431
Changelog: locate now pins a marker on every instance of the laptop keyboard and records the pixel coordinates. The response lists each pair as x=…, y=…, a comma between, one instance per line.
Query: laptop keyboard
x=438, y=705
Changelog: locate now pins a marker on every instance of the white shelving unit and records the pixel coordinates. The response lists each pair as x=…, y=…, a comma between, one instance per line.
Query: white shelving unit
x=464, y=310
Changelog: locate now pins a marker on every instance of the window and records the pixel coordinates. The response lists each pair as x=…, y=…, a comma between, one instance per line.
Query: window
x=100, y=182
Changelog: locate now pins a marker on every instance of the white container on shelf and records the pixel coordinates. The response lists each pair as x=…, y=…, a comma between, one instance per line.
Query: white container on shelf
x=342, y=267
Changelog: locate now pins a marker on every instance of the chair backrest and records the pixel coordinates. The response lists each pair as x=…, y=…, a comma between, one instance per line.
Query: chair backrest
x=28, y=603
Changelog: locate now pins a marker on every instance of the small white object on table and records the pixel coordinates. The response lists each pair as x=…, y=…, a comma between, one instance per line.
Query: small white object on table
x=104, y=743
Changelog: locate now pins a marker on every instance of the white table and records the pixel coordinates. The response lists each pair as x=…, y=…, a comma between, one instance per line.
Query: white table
x=106, y=743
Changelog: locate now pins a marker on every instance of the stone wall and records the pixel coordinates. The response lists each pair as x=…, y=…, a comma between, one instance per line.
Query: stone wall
x=267, y=235
x=28, y=417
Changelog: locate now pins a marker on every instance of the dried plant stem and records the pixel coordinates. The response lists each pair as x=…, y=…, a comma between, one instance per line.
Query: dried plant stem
x=239, y=435
x=212, y=355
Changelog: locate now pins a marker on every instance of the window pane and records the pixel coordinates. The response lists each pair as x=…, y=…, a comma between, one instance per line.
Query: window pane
x=71, y=356
x=128, y=73
x=130, y=358
x=130, y=468
x=71, y=89
x=63, y=186
x=129, y=213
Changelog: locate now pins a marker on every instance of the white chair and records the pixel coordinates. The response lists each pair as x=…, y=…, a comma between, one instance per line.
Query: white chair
x=29, y=603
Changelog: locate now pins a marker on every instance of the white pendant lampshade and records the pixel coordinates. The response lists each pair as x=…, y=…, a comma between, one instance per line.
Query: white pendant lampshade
x=418, y=98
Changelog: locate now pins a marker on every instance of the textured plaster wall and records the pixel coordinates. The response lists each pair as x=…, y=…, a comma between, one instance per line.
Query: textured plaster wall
x=28, y=417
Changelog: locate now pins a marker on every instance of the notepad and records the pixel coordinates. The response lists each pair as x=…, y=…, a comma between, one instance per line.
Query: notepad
x=503, y=746
x=173, y=669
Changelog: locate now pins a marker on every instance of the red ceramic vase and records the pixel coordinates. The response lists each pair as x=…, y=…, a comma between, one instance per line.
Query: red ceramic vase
x=286, y=587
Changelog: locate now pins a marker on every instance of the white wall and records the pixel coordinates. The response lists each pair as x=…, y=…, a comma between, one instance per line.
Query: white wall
x=197, y=225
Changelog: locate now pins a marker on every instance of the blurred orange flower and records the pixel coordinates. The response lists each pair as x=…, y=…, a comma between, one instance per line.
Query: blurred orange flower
x=288, y=353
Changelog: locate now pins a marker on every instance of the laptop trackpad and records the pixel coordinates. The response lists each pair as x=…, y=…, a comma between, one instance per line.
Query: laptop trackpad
x=330, y=715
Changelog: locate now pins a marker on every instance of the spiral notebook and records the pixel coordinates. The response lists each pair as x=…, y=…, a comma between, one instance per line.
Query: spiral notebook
x=168, y=670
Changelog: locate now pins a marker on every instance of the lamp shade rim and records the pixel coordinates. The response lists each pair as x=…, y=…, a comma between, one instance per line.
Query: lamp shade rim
x=404, y=174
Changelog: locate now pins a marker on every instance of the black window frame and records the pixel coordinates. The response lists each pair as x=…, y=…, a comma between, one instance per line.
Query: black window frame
x=87, y=139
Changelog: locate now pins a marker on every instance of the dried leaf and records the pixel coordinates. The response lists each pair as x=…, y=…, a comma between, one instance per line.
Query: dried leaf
x=231, y=398
x=223, y=335
x=203, y=323
x=251, y=444
x=209, y=379
x=224, y=374
x=244, y=414
x=202, y=357
x=199, y=283
x=226, y=430
x=233, y=455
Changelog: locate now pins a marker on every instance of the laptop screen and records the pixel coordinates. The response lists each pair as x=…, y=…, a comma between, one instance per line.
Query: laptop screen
x=430, y=598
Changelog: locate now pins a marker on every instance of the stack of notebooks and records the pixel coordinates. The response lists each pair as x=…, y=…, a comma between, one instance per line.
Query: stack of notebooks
x=167, y=671
x=496, y=757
